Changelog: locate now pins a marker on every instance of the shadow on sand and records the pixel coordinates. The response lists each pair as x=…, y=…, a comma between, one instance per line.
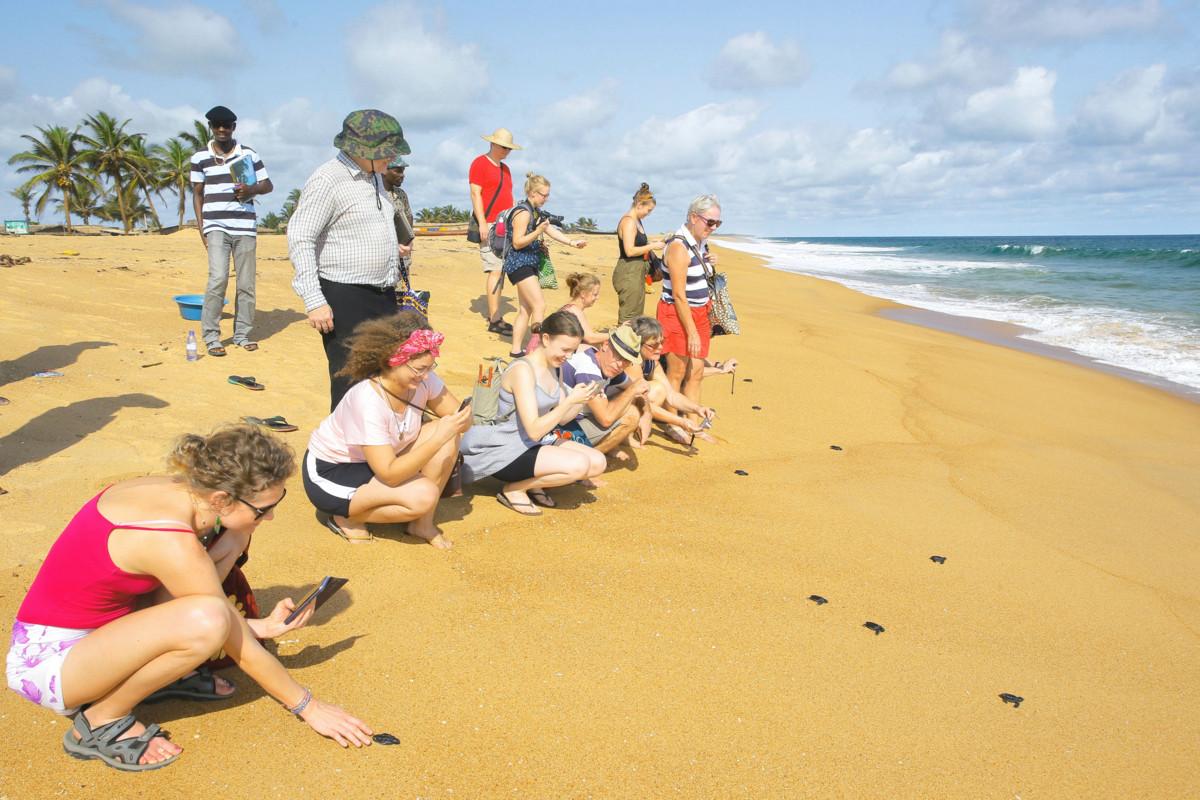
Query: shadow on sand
x=46, y=357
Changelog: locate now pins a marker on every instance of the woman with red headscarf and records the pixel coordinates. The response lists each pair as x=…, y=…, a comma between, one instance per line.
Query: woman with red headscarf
x=372, y=459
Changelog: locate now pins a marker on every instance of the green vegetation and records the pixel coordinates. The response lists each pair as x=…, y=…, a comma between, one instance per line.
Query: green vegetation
x=442, y=214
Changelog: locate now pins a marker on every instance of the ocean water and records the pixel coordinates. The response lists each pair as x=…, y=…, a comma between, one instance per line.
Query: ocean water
x=1126, y=301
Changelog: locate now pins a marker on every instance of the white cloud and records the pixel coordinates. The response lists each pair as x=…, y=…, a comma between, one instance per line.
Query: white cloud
x=1020, y=110
x=958, y=62
x=753, y=61
x=425, y=80
x=1124, y=110
x=577, y=115
x=1064, y=20
x=181, y=39
x=705, y=139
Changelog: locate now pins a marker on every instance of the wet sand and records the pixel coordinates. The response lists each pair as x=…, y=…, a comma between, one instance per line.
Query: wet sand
x=653, y=638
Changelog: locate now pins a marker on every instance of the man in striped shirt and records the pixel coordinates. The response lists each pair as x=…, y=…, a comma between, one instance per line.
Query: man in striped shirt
x=226, y=176
x=342, y=237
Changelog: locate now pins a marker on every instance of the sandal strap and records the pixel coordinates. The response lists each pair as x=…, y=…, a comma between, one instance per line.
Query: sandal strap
x=103, y=735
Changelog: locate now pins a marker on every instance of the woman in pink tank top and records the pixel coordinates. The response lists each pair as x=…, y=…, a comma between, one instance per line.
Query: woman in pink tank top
x=128, y=601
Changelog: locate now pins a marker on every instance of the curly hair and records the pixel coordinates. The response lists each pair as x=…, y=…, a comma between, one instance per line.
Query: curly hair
x=375, y=341
x=580, y=282
x=240, y=460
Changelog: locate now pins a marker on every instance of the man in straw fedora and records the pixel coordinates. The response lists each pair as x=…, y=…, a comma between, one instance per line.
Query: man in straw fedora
x=492, y=195
x=342, y=239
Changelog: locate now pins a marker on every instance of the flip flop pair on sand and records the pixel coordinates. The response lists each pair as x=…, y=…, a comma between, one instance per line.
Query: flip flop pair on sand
x=277, y=423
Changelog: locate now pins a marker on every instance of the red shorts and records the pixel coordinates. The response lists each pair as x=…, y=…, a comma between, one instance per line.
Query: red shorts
x=675, y=337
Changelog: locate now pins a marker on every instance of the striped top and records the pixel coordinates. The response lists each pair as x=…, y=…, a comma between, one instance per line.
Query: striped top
x=343, y=230
x=221, y=210
x=697, y=285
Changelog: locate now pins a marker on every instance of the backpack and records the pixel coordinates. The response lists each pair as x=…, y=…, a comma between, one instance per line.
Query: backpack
x=485, y=397
x=500, y=237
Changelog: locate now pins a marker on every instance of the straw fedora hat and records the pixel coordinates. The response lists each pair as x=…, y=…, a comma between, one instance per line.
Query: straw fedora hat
x=502, y=137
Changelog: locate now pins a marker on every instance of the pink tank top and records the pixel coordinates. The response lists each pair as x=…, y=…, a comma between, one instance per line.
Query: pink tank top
x=78, y=585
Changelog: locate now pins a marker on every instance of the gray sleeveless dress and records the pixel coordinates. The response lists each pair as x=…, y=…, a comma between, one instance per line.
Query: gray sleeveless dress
x=489, y=448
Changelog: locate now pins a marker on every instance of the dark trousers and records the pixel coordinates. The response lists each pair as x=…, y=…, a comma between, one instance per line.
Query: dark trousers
x=351, y=303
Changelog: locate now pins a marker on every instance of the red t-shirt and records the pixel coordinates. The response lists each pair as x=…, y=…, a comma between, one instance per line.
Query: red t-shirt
x=485, y=175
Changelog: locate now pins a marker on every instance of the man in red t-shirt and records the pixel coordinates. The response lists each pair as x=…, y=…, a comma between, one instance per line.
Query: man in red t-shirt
x=492, y=195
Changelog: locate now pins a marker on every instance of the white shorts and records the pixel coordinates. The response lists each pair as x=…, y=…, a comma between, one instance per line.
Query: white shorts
x=491, y=262
x=35, y=662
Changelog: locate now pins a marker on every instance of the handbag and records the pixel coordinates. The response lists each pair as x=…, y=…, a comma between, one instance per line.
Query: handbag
x=546, y=277
x=473, y=224
x=409, y=299
x=722, y=319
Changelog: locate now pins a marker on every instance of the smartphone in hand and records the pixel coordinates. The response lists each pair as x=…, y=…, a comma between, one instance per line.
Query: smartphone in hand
x=464, y=404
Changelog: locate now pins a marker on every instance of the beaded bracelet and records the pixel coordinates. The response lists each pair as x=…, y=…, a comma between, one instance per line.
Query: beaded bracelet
x=303, y=704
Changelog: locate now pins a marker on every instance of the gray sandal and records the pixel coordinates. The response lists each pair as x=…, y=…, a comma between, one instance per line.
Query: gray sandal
x=102, y=743
x=200, y=685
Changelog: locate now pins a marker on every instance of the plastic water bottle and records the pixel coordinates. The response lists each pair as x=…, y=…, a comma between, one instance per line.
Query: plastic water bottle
x=193, y=353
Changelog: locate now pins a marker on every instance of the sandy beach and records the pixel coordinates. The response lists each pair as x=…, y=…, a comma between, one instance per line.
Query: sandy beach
x=654, y=638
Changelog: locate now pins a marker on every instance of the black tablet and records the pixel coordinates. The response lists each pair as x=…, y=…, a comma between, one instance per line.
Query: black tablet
x=319, y=595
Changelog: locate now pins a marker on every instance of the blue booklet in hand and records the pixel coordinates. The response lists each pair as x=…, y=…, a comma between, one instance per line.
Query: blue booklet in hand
x=242, y=171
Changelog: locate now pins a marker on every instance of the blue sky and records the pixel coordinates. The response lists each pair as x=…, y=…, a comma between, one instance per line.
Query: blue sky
x=859, y=118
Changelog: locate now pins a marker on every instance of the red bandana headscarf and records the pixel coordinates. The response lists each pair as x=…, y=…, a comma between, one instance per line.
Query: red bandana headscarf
x=420, y=341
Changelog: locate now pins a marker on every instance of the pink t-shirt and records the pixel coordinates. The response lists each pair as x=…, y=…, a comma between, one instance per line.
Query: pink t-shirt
x=363, y=418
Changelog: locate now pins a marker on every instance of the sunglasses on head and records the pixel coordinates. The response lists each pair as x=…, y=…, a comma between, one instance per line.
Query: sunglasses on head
x=259, y=513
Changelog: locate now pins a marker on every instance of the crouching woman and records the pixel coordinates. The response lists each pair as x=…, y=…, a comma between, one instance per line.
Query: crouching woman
x=372, y=459
x=83, y=646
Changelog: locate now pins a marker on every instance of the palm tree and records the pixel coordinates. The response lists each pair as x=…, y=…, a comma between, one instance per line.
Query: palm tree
x=116, y=155
x=86, y=201
x=289, y=205
x=144, y=171
x=57, y=164
x=25, y=195
x=175, y=169
x=125, y=207
x=197, y=138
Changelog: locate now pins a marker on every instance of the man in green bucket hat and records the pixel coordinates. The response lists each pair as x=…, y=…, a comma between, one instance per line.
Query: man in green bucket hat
x=342, y=239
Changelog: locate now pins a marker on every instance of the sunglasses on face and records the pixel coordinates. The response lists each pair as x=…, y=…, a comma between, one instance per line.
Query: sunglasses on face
x=259, y=513
x=223, y=125
x=712, y=223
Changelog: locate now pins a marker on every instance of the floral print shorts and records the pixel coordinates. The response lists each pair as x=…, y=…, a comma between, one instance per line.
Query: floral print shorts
x=35, y=662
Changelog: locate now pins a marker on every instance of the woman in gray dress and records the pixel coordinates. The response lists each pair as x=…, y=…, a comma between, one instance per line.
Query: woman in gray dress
x=521, y=449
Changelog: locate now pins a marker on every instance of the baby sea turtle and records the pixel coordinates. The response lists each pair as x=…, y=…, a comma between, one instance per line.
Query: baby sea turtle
x=747, y=380
x=756, y=408
x=385, y=738
x=835, y=447
x=740, y=472
x=816, y=598
x=874, y=626
x=938, y=559
x=1016, y=700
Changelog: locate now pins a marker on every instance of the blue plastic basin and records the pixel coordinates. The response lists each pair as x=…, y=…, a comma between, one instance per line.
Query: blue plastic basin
x=190, y=305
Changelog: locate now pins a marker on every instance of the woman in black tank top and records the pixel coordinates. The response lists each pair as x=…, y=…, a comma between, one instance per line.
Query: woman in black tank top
x=629, y=275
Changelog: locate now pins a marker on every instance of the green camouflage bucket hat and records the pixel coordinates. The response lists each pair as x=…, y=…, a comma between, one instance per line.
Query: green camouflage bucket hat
x=371, y=134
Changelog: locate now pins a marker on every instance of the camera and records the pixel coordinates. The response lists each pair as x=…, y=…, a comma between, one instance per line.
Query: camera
x=553, y=219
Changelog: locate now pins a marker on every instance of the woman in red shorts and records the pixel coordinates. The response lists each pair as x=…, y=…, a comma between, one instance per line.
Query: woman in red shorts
x=683, y=310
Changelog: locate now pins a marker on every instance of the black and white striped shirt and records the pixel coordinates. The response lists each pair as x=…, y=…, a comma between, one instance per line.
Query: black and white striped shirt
x=221, y=210
x=697, y=284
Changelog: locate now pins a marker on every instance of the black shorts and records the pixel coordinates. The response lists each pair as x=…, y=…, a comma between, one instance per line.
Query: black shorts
x=521, y=273
x=330, y=486
x=520, y=468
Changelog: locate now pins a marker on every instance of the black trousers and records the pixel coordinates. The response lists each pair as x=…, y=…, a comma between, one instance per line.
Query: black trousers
x=352, y=303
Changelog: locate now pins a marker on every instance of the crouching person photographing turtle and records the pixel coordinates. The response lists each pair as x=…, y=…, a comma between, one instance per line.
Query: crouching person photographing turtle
x=82, y=646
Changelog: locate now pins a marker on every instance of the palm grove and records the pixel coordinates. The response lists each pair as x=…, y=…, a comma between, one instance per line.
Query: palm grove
x=102, y=170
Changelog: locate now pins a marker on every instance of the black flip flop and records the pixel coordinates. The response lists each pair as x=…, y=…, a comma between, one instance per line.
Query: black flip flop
x=248, y=382
x=217, y=351
x=511, y=506
x=540, y=498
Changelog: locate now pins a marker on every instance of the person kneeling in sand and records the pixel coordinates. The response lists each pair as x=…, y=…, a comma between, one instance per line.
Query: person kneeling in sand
x=663, y=403
x=520, y=448
x=372, y=460
x=82, y=647
x=611, y=414
x=585, y=291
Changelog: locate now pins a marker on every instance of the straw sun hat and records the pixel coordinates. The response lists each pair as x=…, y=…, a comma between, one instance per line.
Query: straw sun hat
x=502, y=137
